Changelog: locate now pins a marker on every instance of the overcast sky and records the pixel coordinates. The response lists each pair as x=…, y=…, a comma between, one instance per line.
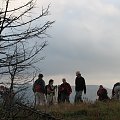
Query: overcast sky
x=85, y=37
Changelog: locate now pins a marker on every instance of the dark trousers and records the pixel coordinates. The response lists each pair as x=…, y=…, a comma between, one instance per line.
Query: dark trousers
x=78, y=97
x=65, y=98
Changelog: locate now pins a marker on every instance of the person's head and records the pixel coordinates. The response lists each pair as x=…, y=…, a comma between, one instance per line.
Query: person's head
x=64, y=80
x=101, y=86
x=51, y=82
x=78, y=73
x=40, y=76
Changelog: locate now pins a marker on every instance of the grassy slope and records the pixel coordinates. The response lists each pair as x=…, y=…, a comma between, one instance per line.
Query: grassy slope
x=83, y=111
x=96, y=111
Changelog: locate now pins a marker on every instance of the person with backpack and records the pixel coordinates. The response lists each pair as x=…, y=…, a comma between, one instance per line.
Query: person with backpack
x=102, y=94
x=80, y=86
x=50, y=92
x=39, y=90
x=65, y=90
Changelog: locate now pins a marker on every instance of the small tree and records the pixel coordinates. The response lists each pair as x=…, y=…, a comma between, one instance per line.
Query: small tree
x=21, y=39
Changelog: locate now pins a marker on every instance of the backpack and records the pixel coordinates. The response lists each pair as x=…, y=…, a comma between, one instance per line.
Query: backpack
x=36, y=87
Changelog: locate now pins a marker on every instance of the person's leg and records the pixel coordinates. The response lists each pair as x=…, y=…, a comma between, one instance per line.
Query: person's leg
x=67, y=98
x=49, y=99
x=76, y=97
x=80, y=96
x=37, y=98
x=62, y=97
x=42, y=99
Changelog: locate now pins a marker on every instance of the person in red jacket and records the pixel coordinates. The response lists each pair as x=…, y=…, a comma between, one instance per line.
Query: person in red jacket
x=65, y=90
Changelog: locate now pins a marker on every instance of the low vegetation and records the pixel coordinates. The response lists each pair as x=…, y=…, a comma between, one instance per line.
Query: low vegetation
x=84, y=111
x=87, y=111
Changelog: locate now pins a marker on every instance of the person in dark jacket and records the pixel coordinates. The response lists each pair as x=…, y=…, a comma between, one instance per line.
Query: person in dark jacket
x=80, y=86
x=39, y=90
x=102, y=93
x=65, y=90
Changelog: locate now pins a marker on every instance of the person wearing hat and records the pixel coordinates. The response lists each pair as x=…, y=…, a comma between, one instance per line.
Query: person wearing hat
x=80, y=86
x=39, y=90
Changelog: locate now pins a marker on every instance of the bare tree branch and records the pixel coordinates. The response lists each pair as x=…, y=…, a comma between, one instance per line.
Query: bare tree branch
x=21, y=41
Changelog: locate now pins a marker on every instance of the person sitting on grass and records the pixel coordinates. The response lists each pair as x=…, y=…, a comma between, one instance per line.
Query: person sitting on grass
x=102, y=93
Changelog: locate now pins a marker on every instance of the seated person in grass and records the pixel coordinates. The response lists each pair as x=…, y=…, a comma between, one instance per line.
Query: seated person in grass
x=102, y=93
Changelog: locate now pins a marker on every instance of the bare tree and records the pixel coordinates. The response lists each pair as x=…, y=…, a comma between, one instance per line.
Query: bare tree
x=21, y=39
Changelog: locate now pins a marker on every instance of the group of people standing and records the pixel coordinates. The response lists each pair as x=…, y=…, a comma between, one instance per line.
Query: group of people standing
x=50, y=94
x=45, y=93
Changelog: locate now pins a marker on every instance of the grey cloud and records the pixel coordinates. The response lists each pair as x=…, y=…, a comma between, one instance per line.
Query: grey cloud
x=86, y=39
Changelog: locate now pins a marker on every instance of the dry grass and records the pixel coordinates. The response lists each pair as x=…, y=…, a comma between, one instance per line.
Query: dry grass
x=86, y=111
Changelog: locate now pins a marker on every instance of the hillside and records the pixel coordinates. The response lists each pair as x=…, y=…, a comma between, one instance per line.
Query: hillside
x=98, y=111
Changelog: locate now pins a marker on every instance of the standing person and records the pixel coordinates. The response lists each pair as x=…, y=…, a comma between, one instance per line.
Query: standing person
x=50, y=92
x=39, y=90
x=116, y=91
x=80, y=86
x=65, y=91
x=102, y=93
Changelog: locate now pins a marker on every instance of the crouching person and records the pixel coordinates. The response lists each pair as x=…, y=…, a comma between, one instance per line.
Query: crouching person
x=50, y=92
x=102, y=93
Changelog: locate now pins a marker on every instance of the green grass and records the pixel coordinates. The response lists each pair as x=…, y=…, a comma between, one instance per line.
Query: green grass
x=85, y=111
